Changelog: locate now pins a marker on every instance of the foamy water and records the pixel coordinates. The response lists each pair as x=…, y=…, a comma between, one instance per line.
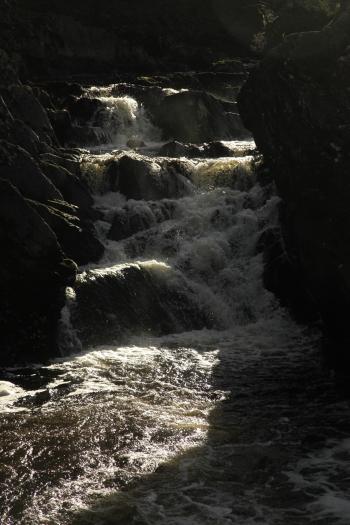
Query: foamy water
x=123, y=119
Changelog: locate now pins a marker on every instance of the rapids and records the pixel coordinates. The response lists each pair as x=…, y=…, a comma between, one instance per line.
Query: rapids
x=185, y=394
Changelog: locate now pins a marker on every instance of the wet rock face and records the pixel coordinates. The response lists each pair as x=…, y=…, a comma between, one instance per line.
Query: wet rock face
x=136, y=176
x=21, y=170
x=46, y=222
x=212, y=150
x=164, y=303
x=33, y=274
x=139, y=179
x=196, y=116
x=26, y=107
x=78, y=243
x=297, y=105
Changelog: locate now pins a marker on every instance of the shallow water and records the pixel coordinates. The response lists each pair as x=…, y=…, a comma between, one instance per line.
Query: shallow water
x=238, y=422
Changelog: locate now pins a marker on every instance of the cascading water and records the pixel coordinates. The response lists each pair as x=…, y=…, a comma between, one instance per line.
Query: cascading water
x=123, y=119
x=187, y=395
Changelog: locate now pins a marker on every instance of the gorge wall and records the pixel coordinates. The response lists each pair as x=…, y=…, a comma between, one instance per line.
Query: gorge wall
x=297, y=104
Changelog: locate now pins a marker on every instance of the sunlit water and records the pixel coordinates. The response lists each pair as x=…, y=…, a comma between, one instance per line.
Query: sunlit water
x=236, y=422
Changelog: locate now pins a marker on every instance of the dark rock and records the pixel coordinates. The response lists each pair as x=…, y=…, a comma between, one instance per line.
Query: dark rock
x=297, y=17
x=43, y=97
x=84, y=109
x=8, y=69
x=78, y=243
x=283, y=277
x=66, y=162
x=24, y=136
x=16, y=131
x=217, y=149
x=136, y=176
x=135, y=299
x=19, y=168
x=297, y=104
x=196, y=117
x=33, y=275
x=144, y=179
x=61, y=122
x=71, y=187
x=24, y=106
x=60, y=91
x=178, y=149
x=213, y=150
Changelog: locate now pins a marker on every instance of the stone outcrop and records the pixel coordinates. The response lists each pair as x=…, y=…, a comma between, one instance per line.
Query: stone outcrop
x=145, y=298
x=196, y=116
x=297, y=104
x=46, y=223
x=137, y=177
x=33, y=275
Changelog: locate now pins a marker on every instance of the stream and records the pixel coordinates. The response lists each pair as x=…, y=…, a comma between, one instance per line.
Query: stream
x=185, y=394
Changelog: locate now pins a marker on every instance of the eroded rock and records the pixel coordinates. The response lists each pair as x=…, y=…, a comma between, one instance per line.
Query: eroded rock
x=33, y=275
x=297, y=104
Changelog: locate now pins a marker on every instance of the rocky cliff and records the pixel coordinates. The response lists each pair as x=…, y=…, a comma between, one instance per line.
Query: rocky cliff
x=297, y=104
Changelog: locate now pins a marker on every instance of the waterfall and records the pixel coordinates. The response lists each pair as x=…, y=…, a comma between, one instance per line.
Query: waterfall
x=123, y=120
x=185, y=393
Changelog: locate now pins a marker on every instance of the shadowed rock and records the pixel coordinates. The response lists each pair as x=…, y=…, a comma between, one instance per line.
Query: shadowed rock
x=19, y=168
x=33, y=275
x=297, y=104
x=133, y=299
x=78, y=241
x=196, y=117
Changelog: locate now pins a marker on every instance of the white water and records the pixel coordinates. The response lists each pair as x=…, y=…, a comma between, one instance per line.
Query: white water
x=124, y=120
x=233, y=425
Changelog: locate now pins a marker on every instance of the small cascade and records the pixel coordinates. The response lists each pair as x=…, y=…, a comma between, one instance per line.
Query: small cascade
x=123, y=120
x=181, y=262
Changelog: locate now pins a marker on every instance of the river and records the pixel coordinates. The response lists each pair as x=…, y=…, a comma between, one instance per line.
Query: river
x=185, y=394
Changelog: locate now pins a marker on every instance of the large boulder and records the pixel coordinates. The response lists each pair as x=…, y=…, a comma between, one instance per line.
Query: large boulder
x=196, y=116
x=136, y=176
x=140, y=178
x=297, y=104
x=33, y=275
x=145, y=298
x=212, y=150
